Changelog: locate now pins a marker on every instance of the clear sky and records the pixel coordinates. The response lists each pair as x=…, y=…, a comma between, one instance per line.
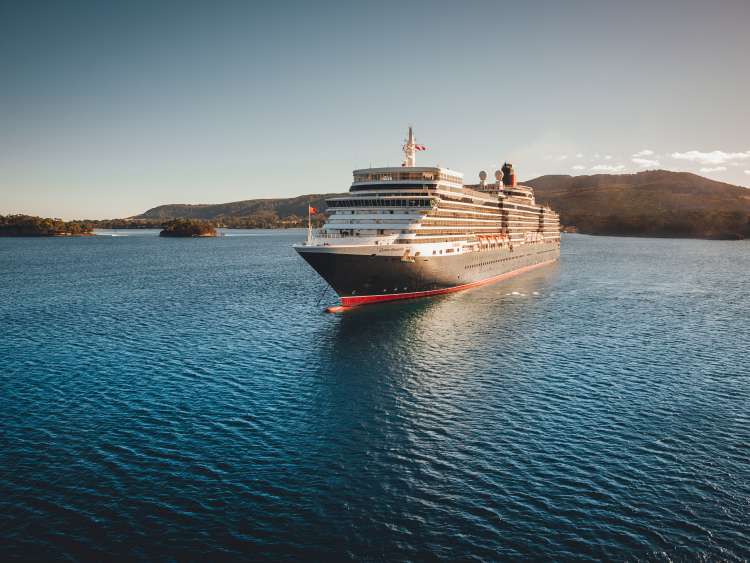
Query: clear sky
x=108, y=108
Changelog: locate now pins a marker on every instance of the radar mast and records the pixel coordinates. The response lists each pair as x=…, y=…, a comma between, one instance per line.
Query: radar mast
x=410, y=150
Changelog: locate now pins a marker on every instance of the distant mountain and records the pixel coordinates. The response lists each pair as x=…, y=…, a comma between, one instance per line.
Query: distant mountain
x=653, y=203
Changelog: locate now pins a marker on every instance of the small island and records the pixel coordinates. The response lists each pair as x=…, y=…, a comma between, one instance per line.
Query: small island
x=30, y=226
x=188, y=228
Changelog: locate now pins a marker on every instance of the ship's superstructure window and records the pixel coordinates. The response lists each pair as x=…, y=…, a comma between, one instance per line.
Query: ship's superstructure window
x=357, y=202
x=451, y=178
x=394, y=176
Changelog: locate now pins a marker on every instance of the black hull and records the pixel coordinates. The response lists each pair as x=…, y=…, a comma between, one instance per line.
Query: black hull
x=360, y=278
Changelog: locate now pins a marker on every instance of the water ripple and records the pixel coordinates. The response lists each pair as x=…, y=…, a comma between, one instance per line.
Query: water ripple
x=187, y=399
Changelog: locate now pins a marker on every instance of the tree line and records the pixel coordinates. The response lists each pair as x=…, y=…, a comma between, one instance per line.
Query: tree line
x=29, y=225
x=692, y=223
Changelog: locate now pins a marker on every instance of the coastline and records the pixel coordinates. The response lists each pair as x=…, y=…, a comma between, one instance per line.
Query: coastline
x=563, y=231
x=655, y=236
x=46, y=235
x=223, y=230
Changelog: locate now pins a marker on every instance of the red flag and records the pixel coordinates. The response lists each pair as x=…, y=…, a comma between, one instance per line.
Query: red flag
x=311, y=209
x=420, y=147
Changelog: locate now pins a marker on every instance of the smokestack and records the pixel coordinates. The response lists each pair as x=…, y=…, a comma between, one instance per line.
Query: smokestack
x=509, y=175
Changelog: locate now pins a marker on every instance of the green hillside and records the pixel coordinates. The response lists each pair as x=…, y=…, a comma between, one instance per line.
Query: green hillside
x=281, y=207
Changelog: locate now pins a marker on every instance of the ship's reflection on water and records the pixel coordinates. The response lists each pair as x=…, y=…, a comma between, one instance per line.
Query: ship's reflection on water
x=429, y=357
x=475, y=321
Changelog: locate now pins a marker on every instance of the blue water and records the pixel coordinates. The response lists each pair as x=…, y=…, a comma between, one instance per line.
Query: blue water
x=188, y=399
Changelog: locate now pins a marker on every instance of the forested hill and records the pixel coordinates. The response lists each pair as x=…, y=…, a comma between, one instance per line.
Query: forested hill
x=282, y=208
x=653, y=203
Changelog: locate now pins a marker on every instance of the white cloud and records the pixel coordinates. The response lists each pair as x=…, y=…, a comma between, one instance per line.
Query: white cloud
x=607, y=168
x=562, y=157
x=644, y=152
x=579, y=155
x=608, y=157
x=582, y=167
x=645, y=162
x=747, y=171
x=714, y=169
x=711, y=158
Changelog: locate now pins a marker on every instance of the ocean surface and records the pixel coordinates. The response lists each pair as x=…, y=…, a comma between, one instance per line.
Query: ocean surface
x=189, y=399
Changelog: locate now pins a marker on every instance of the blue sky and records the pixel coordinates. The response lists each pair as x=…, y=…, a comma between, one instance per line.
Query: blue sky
x=109, y=108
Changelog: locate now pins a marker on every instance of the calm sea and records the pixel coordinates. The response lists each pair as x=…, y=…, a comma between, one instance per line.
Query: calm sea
x=189, y=399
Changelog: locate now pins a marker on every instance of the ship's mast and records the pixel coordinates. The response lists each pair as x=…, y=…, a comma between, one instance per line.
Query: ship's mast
x=309, y=225
x=410, y=150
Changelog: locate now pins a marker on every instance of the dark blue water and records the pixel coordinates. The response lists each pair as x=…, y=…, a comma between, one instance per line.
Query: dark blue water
x=189, y=399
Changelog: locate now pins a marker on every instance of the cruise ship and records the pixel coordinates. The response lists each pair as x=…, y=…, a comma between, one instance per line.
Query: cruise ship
x=413, y=231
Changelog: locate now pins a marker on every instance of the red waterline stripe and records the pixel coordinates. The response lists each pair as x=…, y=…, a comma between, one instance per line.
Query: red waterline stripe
x=367, y=299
